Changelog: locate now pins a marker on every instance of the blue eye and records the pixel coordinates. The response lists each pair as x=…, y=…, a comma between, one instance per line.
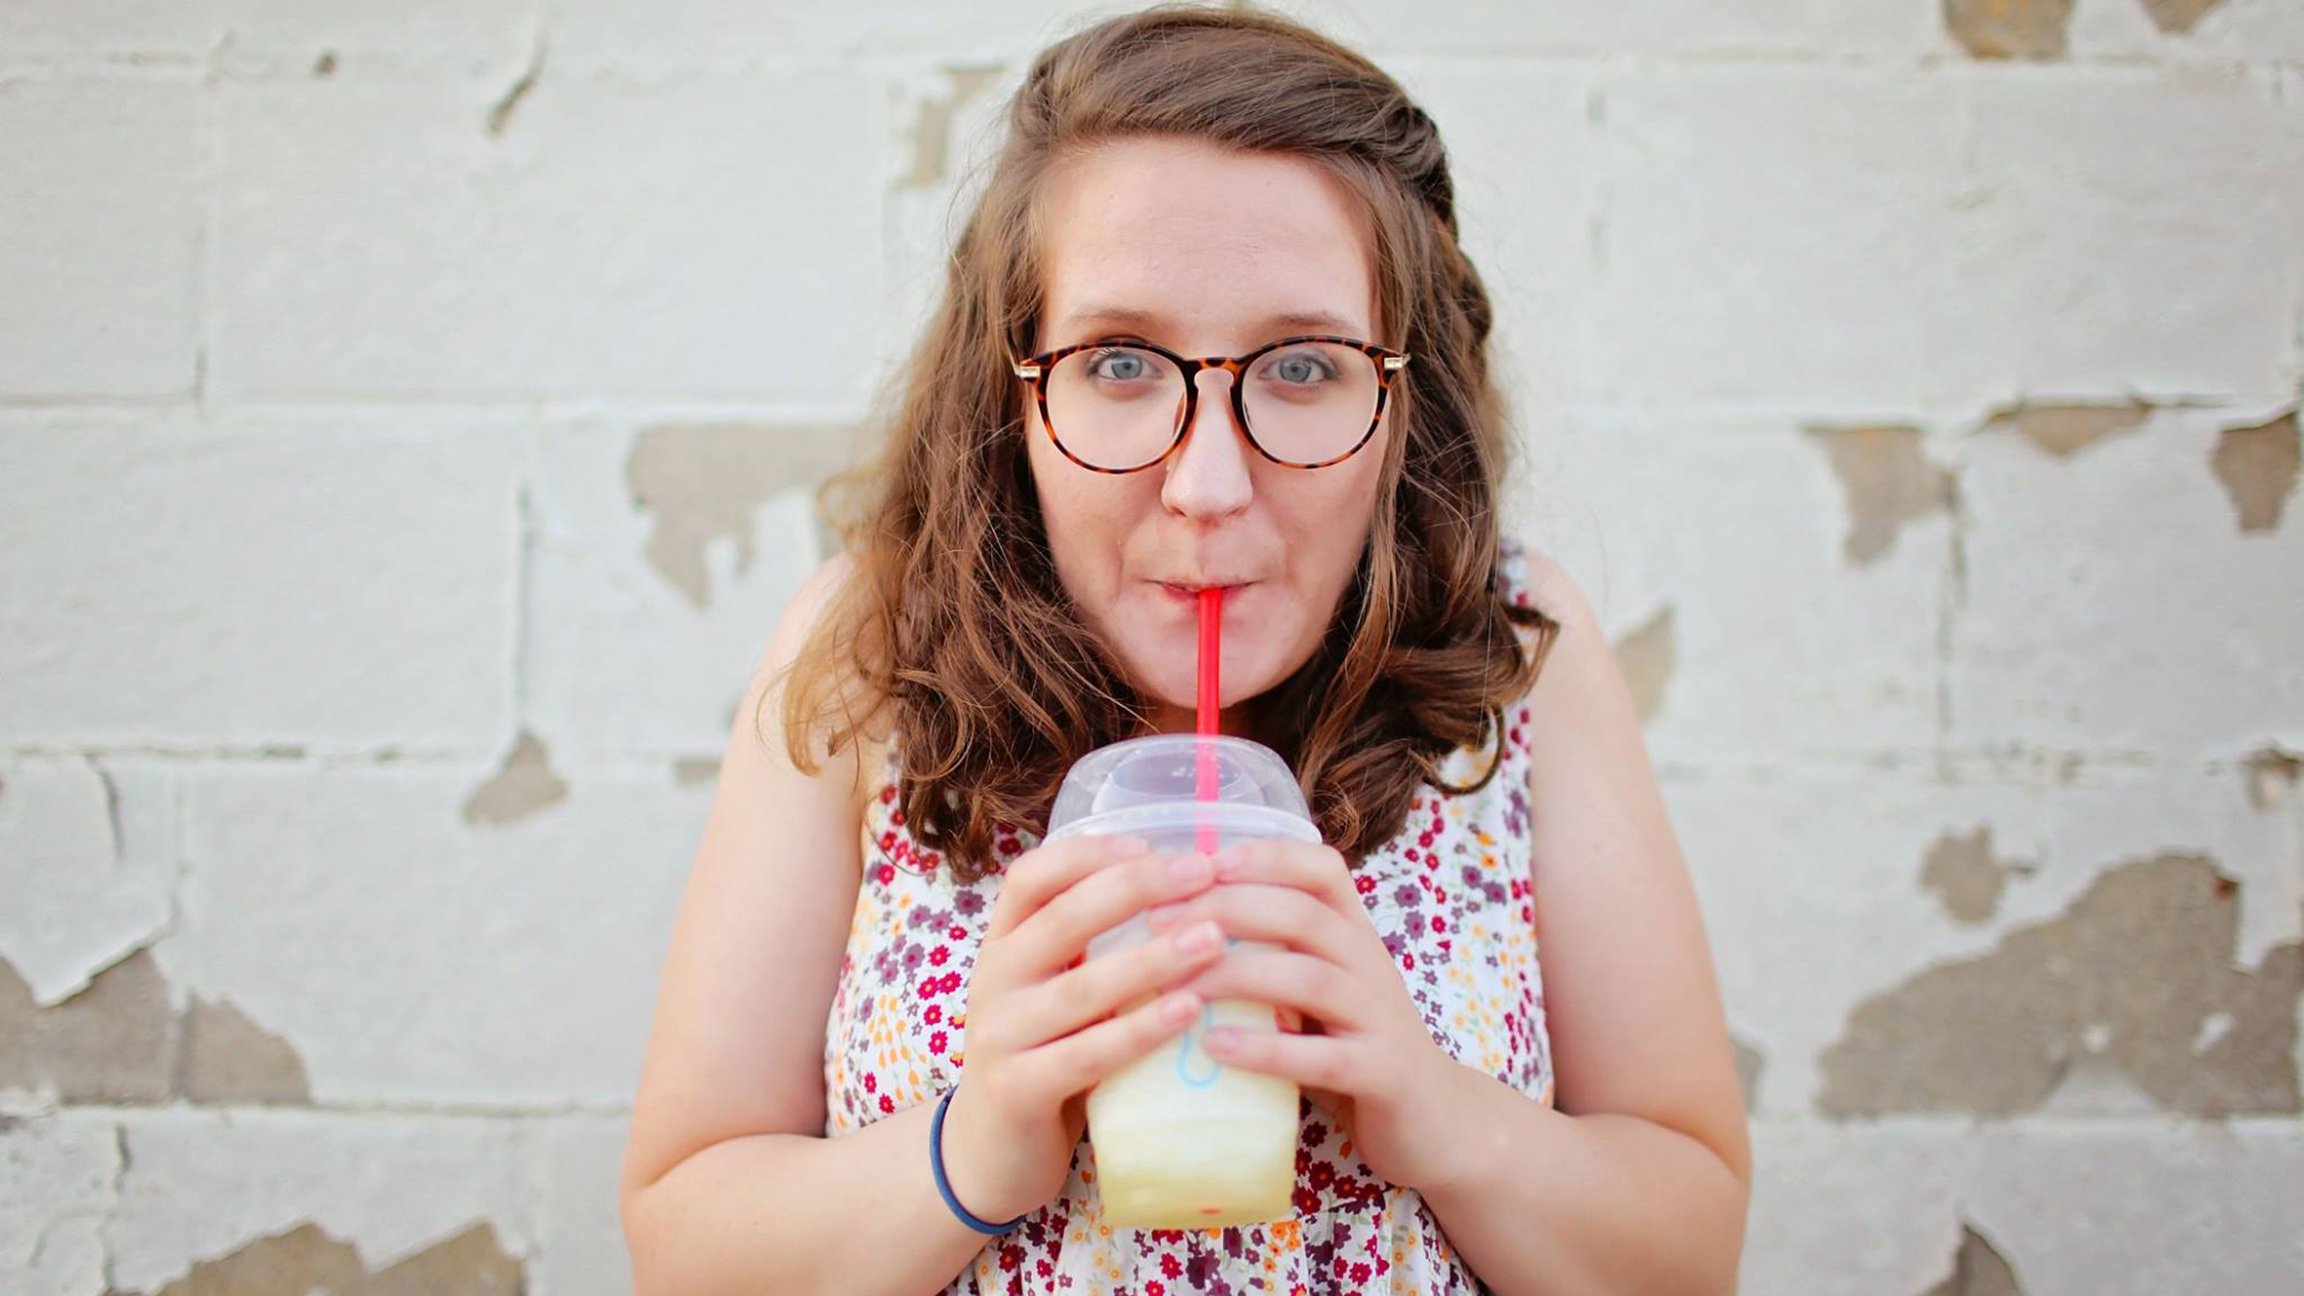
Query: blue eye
x=1117, y=366
x=1300, y=368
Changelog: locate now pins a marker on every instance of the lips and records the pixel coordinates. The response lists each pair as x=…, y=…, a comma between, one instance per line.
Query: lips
x=1191, y=589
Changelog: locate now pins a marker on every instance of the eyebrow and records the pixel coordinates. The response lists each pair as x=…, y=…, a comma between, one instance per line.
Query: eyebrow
x=1314, y=320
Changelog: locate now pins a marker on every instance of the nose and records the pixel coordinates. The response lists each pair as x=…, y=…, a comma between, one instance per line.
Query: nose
x=1208, y=472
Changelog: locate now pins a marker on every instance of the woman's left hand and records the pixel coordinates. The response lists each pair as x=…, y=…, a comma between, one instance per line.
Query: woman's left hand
x=1363, y=1050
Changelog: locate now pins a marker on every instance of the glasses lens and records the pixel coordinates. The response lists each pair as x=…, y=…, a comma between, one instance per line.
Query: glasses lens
x=1309, y=402
x=1115, y=406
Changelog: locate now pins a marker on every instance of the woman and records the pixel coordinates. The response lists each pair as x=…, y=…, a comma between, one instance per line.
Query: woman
x=870, y=917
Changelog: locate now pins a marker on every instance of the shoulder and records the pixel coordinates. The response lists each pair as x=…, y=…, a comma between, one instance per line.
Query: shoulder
x=1529, y=578
x=1564, y=625
x=807, y=609
x=810, y=653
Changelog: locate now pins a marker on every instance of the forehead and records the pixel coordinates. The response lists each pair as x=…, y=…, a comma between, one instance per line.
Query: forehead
x=1208, y=243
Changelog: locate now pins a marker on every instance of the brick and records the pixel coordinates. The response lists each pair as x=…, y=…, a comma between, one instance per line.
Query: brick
x=708, y=236
x=1521, y=149
x=97, y=273
x=1817, y=892
x=1770, y=236
x=2034, y=30
x=2131, y=1001
x=61, y=1172
x=723, y=32
x=663, y=558
x=1567, y=27
x=2124, y=1206
x=1843, y=1211
x=1784, y=647
x=950, y=120
x=580, y=1234
x=418, y=35
x=95, y=844
x=2112, y=603
x=114, y=1042
x=1812, y=893
x=324, y=1195
x=313, y=895
x=48, y=28
x=2123, y=231
x=2213, y=812
x=276, y=584
x=2254, y=30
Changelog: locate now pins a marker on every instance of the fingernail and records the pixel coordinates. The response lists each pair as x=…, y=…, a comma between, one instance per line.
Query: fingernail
x=1121, y=848
x=1162, y=917
x=1221, y=1039
x=1200, y=939
x=1227, y=862
x=1179, y=1009
x=1188, y=869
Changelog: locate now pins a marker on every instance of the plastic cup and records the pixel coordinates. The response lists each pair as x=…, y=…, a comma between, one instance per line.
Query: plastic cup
x=1182, y=1141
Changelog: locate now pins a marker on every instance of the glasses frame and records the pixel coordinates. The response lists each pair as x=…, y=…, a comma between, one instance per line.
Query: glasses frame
x=1035, y=370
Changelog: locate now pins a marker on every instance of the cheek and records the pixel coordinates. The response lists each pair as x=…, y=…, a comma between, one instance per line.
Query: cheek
x=1084, y=517
x=1329, y=527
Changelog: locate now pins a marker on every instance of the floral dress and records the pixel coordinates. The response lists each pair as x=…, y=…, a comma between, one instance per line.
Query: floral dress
x=1450, y=895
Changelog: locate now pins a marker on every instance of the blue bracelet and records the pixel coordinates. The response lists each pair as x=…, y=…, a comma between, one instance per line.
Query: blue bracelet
x=944, y=1184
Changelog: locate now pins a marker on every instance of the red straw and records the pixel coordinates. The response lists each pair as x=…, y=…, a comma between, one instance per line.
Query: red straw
x=1211, y=650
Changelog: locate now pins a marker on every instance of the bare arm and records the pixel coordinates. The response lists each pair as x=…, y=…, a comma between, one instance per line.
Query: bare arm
x=1639, y=1181
x=728, y=1184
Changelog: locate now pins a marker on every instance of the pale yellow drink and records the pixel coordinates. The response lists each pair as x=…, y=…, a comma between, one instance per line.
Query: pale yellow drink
x=1180, y=1140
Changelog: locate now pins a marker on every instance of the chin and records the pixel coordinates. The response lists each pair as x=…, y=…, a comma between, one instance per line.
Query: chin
x=1179, y=687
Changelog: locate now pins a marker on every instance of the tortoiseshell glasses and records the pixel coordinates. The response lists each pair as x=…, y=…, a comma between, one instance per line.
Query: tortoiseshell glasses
x=1118, y=407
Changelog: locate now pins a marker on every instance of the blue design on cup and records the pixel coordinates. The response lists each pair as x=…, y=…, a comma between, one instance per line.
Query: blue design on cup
x=1189, y=1047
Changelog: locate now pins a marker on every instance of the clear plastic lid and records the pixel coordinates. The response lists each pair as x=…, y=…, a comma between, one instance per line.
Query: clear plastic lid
x=1150, y=785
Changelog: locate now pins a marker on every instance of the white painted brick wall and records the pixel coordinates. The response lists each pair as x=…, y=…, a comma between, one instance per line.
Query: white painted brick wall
x=101, y=209
x=351, y=910
x=407, y=418
x=173, y=585
x=634, y=238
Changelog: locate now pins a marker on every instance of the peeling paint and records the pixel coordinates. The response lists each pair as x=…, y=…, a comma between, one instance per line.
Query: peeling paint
x=2010, y=29
x=704, y=483
x=689, y=771
x=1647, y=657
x=97, y=848
x=2131, y=971
x=229, y=1059
x=2273, y=775
x=500, y=116
x=932, y=130
x=114, y=1041
x=2066, y=430
x=1888, y=482
x=2213, y=1030
x=523, y=787
x=121, y=1040
x=2178, y=16
x=1750, y=1062
x=2259, y=466
x=1965, y=876
x=1978, y=1269
x=308, y=1258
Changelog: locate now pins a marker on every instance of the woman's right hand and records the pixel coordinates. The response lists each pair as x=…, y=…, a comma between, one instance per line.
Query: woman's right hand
x=1044, y=1027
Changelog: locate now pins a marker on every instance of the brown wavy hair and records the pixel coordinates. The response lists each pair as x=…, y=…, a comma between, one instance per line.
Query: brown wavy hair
x=953, y=633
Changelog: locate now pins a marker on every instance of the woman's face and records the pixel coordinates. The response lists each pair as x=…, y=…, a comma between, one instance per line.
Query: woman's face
x=1207, y=252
